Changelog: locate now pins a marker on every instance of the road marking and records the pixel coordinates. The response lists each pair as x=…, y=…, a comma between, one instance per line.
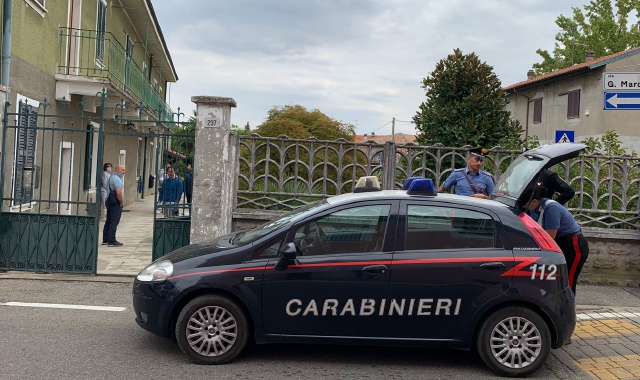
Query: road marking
x=63, y=306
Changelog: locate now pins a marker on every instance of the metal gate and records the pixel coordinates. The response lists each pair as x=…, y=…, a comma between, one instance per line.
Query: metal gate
x=169, y=143
x=50, y=177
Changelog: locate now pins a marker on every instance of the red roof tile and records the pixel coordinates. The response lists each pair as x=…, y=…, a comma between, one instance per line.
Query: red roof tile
x=570, y=69
x=400, y=138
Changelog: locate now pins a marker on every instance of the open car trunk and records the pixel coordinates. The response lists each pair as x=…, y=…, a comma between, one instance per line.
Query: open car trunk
x=517, y=181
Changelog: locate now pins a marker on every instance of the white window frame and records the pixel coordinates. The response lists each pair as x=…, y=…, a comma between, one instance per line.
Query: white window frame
x=36, y=6
x=94, y=157
x=100, y=63
x=25, y=206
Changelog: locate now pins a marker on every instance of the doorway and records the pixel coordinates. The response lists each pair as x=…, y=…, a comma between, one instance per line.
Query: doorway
x=65, y=178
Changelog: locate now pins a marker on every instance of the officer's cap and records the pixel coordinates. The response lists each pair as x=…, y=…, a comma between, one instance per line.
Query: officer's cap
x=479, y=153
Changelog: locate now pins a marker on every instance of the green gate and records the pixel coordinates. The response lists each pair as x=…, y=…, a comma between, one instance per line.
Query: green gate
x=49, y=173
x=50, y=177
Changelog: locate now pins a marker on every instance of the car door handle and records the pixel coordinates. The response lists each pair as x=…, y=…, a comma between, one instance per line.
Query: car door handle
x=375, y=269
x=492, y=266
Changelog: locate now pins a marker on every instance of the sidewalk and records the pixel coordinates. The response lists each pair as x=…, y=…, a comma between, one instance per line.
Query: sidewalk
x=605, y=344
x=135, y=231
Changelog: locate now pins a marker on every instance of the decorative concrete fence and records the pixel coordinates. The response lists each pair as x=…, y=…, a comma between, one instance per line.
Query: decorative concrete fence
x=243, y=181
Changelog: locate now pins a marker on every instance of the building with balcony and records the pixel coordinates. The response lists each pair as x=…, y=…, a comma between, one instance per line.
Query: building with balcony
x=67, y=52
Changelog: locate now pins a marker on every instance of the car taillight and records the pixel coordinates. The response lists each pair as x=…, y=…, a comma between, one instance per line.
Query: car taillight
x=544, y=240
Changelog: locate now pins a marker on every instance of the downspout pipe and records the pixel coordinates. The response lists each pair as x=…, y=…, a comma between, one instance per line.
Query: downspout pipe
x=526, y=123
x=6, y=41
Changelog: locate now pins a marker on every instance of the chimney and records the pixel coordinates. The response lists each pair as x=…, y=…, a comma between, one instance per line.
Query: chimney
x=373, y=134
x=531, y=74
x=365, y=137
x=590, y=55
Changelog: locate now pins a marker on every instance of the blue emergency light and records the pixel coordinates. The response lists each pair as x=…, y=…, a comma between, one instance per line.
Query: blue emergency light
x=409, y=181
x=422, y=186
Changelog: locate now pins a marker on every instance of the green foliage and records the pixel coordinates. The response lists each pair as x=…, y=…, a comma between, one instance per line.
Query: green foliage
x=296, y=121
x=608, y=145
x=465, y=105
x=241, y=131
x=599, y=27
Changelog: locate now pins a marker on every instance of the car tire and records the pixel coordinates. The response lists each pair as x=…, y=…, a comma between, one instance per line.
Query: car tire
x=514, y=341
x=212, y=329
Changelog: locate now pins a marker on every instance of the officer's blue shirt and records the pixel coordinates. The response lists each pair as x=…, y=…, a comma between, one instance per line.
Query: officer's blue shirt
x=482, y=181
x=555, y=217
x=115, y=181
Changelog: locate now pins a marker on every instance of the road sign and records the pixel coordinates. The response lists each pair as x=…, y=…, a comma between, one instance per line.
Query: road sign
x=565, y=136
x=621, y=81
x=622, y=100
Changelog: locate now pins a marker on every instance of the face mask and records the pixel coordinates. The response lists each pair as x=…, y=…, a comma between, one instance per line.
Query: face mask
x=108, y=168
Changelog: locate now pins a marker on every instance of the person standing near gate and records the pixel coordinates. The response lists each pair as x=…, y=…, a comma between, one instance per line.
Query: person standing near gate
x=562, y=227
x=471, y=181
x=104, y=189
x=188, y=183
x=115, y=202
x=171, y=192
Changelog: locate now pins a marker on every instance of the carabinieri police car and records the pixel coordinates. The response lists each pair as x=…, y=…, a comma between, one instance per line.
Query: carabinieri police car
x=403, y=267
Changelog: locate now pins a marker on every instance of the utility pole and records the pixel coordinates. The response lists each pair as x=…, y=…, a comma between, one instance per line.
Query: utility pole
x=393, y=129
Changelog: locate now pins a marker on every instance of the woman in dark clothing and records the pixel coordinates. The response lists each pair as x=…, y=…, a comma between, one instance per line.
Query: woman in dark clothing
x=562, y=227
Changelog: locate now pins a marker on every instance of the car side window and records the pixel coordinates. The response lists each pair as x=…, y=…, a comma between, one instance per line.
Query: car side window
x=352, y=230
x=269, y=250
x=432, y=227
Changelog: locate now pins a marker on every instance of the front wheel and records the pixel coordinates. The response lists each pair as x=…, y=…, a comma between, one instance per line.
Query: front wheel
x=514, y=341
x=212, y=330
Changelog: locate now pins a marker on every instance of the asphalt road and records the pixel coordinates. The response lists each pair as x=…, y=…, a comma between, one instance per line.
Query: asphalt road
x=43, y=343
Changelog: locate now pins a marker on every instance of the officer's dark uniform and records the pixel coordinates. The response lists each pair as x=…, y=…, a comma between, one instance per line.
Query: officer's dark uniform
x=467, y=183
x=569, y=236
x=555, y=185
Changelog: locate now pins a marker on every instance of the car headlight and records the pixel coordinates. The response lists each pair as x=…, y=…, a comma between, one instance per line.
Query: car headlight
x=156, y=272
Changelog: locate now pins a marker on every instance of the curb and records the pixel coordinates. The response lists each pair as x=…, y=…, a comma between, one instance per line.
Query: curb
x=115, y=279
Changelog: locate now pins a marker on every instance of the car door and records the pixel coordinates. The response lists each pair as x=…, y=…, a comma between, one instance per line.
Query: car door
x=449, y=261
x=335, y=286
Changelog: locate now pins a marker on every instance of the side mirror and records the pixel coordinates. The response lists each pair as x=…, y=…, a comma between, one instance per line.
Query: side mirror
x=289, y=252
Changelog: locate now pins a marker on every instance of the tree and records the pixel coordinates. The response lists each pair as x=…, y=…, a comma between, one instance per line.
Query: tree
x=297, y=122
x=600, y=28
x=241, y=131
x=465, y=105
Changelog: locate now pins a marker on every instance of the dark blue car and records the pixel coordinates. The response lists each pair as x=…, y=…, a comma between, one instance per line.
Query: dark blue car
x=403, y=267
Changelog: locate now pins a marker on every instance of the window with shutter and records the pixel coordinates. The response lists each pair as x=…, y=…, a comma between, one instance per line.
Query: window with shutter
x=537, y=111
x=26, y=134
x=101, y=26
x=573, y=104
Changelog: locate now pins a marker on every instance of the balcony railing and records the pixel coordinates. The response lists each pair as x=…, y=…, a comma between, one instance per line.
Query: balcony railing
x=86, y=53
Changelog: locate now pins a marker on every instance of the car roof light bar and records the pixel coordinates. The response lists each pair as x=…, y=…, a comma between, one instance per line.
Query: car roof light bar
x=422, y=186
x=409, y=181
x=366, y=184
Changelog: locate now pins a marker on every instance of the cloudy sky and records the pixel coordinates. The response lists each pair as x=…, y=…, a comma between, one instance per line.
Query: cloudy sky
x=354, y=60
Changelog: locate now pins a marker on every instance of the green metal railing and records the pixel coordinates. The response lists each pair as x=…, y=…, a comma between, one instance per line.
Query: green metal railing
x=85, y=53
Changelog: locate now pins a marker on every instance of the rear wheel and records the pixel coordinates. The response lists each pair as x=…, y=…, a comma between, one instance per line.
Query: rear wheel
x=514, y=341
x=212, y=330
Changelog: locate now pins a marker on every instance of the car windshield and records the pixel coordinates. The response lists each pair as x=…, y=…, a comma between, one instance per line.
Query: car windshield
x=246, y=237
x=518, y=175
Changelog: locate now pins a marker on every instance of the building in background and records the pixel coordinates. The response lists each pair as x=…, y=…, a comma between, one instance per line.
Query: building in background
x=67, y=52
x=577, y=102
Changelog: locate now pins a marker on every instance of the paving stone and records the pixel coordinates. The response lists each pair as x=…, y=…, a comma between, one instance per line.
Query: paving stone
x=621, y=373
x=603, y=374
x=620, y=349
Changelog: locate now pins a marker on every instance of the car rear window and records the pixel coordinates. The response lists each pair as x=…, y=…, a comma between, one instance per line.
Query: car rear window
x=433, y=227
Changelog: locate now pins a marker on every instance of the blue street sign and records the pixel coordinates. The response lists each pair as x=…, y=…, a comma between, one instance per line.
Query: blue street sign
x=622, y=100
x=565, y=136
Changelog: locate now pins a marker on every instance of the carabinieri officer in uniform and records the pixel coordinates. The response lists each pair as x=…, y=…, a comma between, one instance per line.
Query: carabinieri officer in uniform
x=471, y=181
x=562, y=227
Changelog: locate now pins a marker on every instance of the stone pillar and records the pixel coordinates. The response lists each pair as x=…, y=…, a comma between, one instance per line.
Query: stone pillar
x=214, y=168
